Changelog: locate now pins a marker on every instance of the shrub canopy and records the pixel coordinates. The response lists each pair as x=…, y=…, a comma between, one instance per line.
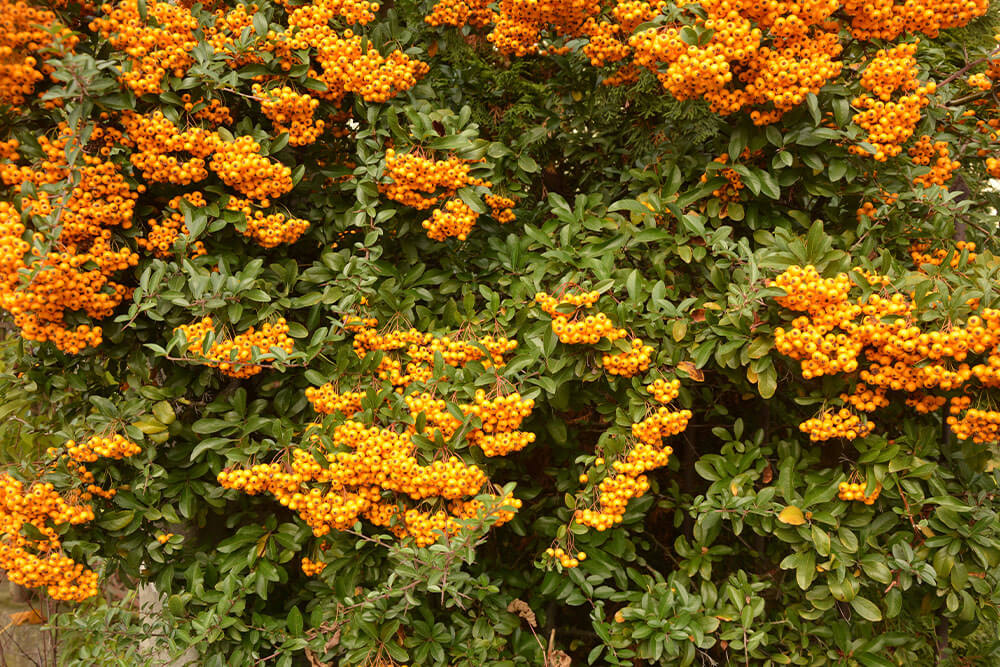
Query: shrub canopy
x=503, y=333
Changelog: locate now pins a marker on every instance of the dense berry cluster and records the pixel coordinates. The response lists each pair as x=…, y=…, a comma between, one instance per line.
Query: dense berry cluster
x=115, y=446
x=162, y=233
x=361, y=480
x=153, y=138
x=39, y=562
x=765, y=58
x=936, y=155
x=235, y=356
x=312, y=567
x=346, y=63
x=454, y=220
x=44, y=278
x=408, y=355
x=423, y=183
x=836, y=424
x=372, y=472
x=291, y=112
x=890, y=123
x=34, y=557
x=980, y=426
x=885, y=19
x=500, y=208
x=632, y=361
x=158, y=46
x=500, y=419
x=518, y=25
x=880, y=340
x=327, y=400
x=269, y=230
x=760, y=57
x=240, y=165
x=571, y=326
x=856, y=491
x=461, y=12
x=28, y=34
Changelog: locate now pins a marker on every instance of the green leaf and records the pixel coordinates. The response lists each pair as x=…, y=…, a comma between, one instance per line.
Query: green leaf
x=115, y=521
x=526, y=164
x=207, y=425
x=294, y=622
x=867, y=609
x=821, y=540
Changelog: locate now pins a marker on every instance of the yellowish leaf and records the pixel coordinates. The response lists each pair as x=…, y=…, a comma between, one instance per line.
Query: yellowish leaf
x=792, y=515
x=29, y=617
x=692, y=371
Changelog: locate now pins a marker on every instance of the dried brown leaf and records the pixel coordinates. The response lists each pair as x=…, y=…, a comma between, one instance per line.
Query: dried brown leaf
x=521, y=608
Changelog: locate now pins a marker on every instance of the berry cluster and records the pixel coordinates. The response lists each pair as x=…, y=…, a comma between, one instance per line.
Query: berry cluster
x=856, y=491
x=632, y=361
x=213, y=111
x=518, y=26
x=228, y=27
x=348, y=63
x=28, y=34
x=935, y=155
x=154, y=137
x=461, y=12
x=500, y=419
x=454, y=220
x=779, y=56
x=890, y=123
x=500, y=208
x=312, y=567
x=158, y=46
x=327, y=400
x=567, y=560
x=729, y=192
x=981, y=426
x=629, y=480
x=422, y=183
x=762, y=57
x=926, y=403
x=162, y=234
x=240, y=165
x=626, y=478
x=39, y=562
x=43, y=278
x=836, y=424
x=115, y=446
x=268, y=230
x=664, y=391
x=420, y=350
x=920, y=255
x=607, y=41
x=291, y=112
x=885, y=19
x=235, y=357
x=880, y=337
x=372, y=472
x=368, y=463
x=573, y=328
